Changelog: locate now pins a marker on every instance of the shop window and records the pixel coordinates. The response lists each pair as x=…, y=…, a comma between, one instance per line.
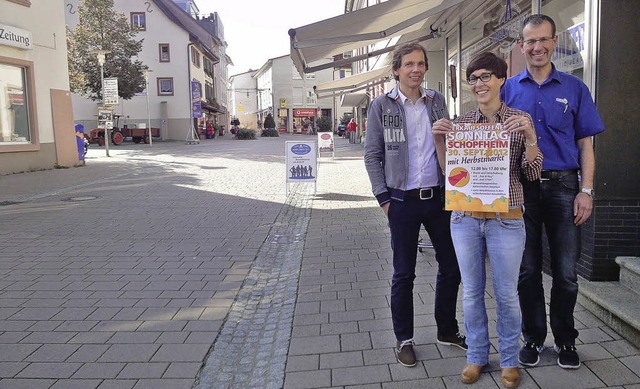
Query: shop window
x=570, y=53
x=165, y=55
x=139, y=21
x=17, y=111
x=165, y=86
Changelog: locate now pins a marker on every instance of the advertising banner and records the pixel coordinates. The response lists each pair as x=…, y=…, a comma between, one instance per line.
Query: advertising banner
x=325, y=142
x=477, y=168
x=302, y=161
x=196, y=104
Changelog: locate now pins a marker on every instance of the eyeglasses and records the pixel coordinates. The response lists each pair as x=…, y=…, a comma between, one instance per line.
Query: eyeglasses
x=484, y=77
x=543, y=41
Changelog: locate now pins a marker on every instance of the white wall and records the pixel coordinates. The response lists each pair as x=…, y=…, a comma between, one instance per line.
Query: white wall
x=45, y=21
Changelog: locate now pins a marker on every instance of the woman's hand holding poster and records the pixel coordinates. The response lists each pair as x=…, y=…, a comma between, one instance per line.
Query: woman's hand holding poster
x=477, y=168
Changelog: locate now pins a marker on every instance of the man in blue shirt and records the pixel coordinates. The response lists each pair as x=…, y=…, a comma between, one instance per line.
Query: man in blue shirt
x=565, y=118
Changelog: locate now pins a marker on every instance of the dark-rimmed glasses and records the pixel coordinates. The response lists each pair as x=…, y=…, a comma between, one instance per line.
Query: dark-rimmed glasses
x=484, y=77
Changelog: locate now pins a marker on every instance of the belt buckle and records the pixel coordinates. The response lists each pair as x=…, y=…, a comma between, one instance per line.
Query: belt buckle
x=427, y=190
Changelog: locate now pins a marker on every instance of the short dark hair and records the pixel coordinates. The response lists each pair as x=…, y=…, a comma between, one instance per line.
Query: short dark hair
x=539, y=19
x=489, y=61
x=403, y=50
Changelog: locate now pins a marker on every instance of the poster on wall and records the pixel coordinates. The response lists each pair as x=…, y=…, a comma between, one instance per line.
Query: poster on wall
x=477, y=168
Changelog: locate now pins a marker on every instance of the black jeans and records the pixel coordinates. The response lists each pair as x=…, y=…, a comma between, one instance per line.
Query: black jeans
x=549, y=203
x=405, y=220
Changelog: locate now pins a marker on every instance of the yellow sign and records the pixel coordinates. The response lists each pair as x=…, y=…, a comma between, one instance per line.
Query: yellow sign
x=283, y=103
x=240, y=108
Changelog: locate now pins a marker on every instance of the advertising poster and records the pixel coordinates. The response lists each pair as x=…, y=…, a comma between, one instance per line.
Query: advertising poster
x=196, y=103
x=477, y=168
x=105, y=119
x=325, y=142
x=302, y=161
x=110, y=86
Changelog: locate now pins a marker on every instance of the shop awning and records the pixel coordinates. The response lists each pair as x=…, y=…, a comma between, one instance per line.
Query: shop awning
x=353, y=99
x=322, y=40
x=354, y=82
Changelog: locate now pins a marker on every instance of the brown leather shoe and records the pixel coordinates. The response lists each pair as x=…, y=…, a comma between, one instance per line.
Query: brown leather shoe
x=511, y=377
x=470, y=373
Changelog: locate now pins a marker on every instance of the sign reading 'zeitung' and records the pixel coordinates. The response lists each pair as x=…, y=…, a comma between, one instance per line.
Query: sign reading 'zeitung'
x=15, y=37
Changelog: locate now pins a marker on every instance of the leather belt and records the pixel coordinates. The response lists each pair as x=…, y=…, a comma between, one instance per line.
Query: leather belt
x=515, y=213
x=423, y=193
x=557, y=174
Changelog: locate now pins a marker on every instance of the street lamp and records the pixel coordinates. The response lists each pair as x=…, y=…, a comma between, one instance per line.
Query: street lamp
x=100, y=55
x=146, y=80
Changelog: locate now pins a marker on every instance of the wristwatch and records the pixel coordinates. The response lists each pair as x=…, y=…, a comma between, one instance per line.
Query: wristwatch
x=588, y=191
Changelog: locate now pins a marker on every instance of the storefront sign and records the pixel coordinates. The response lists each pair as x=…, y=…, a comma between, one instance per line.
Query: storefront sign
x=302, y=112
x=283, y=103
x=15, y=37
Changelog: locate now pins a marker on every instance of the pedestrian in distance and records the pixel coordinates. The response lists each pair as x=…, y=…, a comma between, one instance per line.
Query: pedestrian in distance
x=400, y=158
x=501, y=235
x=566, y=119
x=352, y=127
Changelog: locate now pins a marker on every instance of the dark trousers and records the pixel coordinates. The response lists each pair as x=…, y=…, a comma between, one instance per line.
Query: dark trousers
x=405, y=220
x=549, y=203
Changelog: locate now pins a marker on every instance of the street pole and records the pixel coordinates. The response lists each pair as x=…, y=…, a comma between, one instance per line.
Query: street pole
x=146, y=80
x=100, y=55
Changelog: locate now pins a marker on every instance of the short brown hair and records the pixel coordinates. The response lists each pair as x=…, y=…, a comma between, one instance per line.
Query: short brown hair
x=403, y=50
x=539, y=19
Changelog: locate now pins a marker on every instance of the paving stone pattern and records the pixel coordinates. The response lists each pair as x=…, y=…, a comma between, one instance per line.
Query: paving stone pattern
x=190, y=268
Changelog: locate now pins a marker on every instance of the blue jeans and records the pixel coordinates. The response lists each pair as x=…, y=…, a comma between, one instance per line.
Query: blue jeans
x=503, y=240
x=405, y=219
x=550, y=203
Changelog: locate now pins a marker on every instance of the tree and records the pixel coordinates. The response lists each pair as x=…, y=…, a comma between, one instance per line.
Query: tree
x=324, y=124
x=102, y=28
x=269, y=122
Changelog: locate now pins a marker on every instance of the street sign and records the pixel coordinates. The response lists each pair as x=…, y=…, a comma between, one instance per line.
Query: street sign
x=110, y=86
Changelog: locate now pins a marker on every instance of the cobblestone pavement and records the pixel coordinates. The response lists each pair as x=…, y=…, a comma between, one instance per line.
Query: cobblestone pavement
x=180, y=266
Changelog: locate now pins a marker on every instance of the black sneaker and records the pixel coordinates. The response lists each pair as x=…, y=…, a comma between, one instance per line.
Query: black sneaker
x=567, y=356
x=453, y=340
x=405, y=354
x=530, y=354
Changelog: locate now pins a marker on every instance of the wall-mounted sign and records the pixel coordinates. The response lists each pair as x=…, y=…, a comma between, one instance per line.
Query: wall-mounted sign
x=15, y=37
x=304, y=112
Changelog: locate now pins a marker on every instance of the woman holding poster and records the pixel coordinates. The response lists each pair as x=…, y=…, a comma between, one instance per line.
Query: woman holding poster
x=477, y=152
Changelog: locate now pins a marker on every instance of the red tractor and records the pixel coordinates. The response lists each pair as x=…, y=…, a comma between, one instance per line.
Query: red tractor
x=118, y=134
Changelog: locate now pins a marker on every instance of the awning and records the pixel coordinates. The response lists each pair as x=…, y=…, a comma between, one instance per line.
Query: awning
x=354, y=82
x=322, y=40
x=353, y=99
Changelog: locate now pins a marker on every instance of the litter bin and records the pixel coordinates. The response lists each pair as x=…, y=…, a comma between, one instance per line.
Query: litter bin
x=80, y=141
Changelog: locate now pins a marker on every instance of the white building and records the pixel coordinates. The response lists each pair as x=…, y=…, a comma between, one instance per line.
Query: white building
x=182, y=56
x=36, y=119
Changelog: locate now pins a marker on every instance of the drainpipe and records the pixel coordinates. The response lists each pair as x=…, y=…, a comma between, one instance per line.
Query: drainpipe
x=192, y=129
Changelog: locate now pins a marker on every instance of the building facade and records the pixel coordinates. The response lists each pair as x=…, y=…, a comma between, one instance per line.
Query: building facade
x=36, y=117
x=183, y=58
x=596, y=43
